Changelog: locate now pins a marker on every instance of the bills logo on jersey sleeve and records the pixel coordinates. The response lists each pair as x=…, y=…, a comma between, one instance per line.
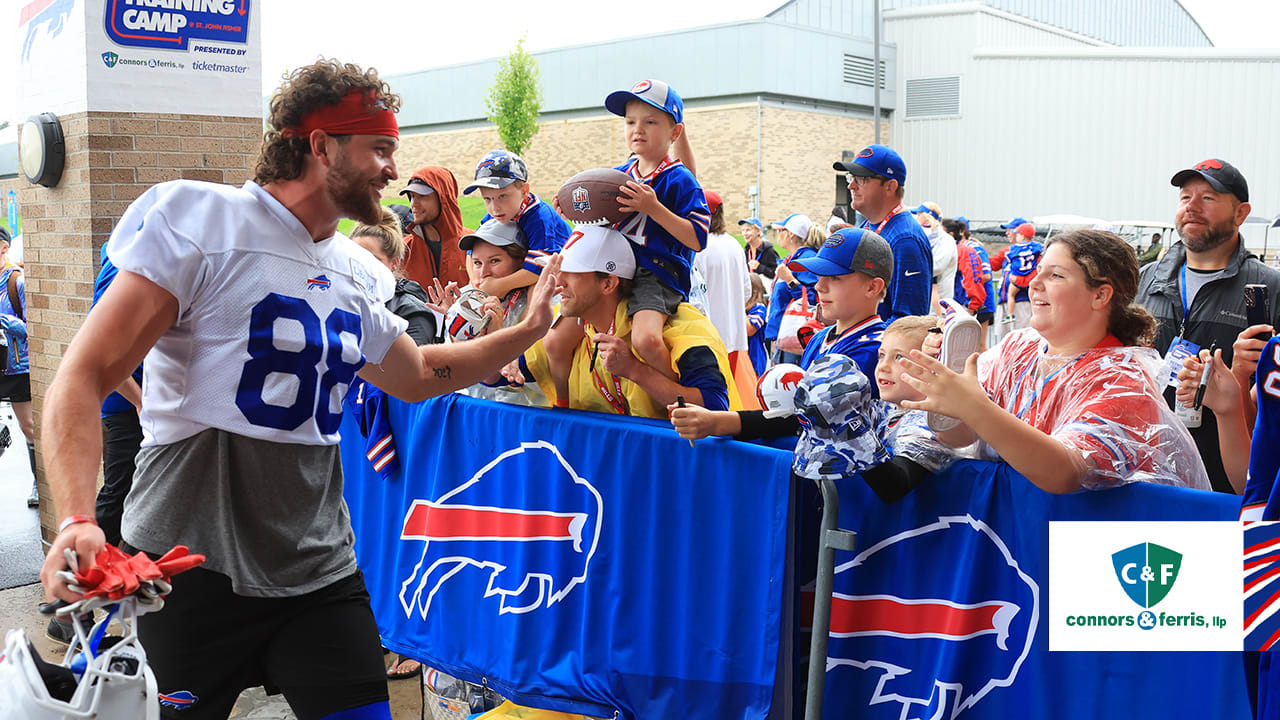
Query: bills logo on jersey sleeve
x=527, y=519
x=929, y=647
x=180, y=699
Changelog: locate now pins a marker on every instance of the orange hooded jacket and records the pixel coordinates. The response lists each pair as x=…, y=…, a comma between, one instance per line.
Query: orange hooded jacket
x=419, y=263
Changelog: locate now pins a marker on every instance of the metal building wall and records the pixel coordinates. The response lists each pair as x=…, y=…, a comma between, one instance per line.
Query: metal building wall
x=1097, y=133
x=1118, y=22
x=745, y=60
x=938, y=42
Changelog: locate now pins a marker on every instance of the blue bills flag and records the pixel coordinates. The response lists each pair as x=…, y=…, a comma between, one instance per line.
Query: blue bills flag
x=575, y=561
x=940, y=612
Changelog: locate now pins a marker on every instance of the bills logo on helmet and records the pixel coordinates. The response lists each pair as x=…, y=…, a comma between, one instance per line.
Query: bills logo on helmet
x=791, y=379
x=180, y=699
x=319, y=282
x=581, y=199
x=527, y=519
x=928, y=647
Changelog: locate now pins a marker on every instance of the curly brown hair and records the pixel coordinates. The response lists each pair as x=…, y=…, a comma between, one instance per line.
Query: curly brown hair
x=324, y=82
x=1108, y=260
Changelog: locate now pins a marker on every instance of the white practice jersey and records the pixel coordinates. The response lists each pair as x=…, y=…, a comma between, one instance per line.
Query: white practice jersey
x=271, y=326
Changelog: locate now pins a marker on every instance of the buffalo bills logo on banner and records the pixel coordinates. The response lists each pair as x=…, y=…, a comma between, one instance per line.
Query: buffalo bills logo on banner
x=527, y=518
x=170, y=28
x=904, y=638
x=51, y=15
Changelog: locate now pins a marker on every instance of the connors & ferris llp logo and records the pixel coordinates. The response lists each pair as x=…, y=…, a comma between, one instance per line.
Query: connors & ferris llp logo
x=1146, y=572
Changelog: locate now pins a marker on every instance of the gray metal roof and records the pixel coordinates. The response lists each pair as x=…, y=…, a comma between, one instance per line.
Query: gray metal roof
x=8, y=160
x=761, y=57
x=1161, y=23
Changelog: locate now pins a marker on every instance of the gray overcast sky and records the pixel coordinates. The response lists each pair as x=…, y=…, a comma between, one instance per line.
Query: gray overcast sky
x=403, y=36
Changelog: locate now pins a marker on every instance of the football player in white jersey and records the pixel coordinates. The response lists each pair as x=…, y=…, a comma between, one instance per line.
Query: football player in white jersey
x=254, y=316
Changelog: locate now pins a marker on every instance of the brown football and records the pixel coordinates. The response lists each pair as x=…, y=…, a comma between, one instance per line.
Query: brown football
x=591, y=197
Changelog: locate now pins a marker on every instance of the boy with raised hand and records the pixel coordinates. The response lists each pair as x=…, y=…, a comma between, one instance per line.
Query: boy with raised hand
x=667, y=225
x=502, y=178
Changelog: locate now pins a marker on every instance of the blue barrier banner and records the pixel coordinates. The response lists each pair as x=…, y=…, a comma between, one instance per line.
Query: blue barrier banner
x=940, y=611
x=576, y=561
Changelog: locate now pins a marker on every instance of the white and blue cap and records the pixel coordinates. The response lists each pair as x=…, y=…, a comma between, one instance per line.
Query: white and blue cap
x=498, y=169
x=848, y=251
x=751, y=221
x=797, y=224
x=654, y=92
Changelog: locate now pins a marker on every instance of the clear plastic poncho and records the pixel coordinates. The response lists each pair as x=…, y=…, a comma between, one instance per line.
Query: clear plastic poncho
x=1105, y=405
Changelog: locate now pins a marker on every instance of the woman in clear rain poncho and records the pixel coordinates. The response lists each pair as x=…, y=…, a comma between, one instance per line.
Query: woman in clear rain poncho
x=1073, y=401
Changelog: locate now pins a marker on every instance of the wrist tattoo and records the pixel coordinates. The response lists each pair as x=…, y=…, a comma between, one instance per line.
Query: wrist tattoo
x=443, y=373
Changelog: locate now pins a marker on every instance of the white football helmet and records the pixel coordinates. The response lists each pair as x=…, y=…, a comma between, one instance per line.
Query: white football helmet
x=776, y=390
x=466, y=319
x=114, y=684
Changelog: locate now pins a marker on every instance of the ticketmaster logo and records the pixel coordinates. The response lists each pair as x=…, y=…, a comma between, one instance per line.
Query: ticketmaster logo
x=111, y=59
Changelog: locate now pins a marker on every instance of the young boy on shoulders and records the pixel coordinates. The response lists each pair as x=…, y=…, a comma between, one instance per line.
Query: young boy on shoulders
x=503, y=181
x=668, y=223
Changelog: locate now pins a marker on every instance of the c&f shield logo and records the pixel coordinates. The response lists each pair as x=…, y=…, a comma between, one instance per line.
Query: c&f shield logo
x=110, y=59
x=1147, y=572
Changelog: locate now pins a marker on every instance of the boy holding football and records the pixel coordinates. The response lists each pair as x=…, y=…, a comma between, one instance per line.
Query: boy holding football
x=667, y=224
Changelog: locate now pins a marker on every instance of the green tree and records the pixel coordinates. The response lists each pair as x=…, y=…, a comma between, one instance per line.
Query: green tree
x=515, y=99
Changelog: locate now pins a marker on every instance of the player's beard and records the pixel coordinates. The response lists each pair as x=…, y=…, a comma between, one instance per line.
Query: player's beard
x=1215, y=236
x=351, y=193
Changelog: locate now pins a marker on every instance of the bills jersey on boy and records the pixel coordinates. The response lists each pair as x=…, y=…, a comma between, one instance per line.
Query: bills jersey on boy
x=543, y=228
x=860, y=343
x=1022, y=260
x=1261, y=500
x=656, y=250
x=271, y=325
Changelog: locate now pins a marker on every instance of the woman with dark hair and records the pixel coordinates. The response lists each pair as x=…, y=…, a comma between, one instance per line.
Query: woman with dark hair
x=1074, y=400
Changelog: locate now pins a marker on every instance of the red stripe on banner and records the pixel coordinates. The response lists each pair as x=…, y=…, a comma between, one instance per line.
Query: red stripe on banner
x=33, y=9
x=1264, y=576
x=1261, y=609
x=900, y=617
x=1271, y=641
x=1264, y=560
x=1273, y=543
x=484, y=523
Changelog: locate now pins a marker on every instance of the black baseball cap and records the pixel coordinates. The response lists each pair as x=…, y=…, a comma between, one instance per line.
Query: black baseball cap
x=1220, y=174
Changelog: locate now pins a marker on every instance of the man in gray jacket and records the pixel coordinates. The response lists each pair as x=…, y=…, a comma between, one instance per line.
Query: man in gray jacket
x=1196, y=291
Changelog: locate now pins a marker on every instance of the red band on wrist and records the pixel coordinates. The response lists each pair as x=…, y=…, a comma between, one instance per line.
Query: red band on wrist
x=75, y=520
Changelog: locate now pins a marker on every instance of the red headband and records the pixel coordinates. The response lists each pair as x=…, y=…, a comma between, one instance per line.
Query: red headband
x=356, y=114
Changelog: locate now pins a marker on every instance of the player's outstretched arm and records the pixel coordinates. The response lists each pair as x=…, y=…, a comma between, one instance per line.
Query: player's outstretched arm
x=414, y=373
x=131, y=316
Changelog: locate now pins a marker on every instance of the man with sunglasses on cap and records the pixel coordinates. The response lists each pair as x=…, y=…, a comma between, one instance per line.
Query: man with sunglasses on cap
x=1196, y=291
x=877, y=177
x=255, y=315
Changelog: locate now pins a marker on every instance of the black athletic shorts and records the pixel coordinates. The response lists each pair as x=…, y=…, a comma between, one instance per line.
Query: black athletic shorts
x=15, y=388
x=985, y=317
x=321, y=650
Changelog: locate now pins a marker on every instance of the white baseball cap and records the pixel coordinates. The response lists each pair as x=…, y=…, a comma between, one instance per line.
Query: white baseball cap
x=594, y=248
x=796, y=223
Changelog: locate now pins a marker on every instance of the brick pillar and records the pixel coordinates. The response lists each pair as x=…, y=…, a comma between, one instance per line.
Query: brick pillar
x=112, y=158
